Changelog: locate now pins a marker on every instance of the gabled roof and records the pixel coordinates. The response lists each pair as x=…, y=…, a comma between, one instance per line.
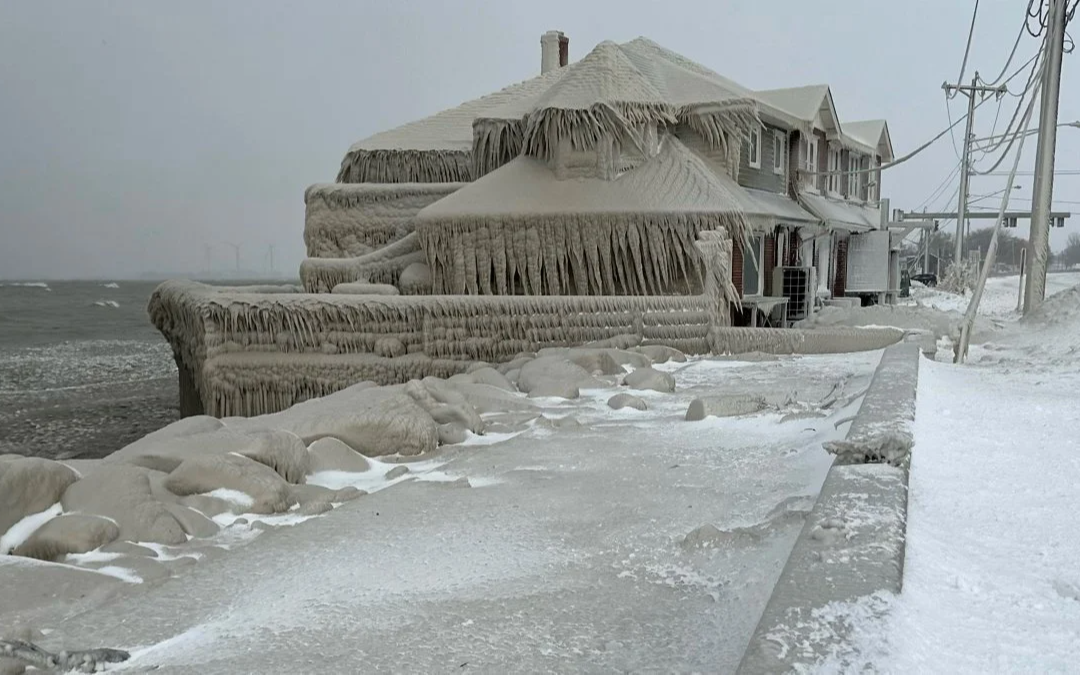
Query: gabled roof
x=873, y=133
x=804, y=103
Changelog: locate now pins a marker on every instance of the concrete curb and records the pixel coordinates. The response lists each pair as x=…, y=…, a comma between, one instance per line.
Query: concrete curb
x=852, y=544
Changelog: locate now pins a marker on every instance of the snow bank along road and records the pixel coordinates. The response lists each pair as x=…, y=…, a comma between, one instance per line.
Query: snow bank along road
x=597, y=540
x=991, y=581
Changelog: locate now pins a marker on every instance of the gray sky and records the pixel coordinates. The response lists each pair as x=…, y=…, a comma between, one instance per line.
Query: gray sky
x=133, y=133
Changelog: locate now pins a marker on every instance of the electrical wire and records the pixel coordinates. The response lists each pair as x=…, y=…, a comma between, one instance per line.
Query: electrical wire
x=967, y=50
x=1012, y=53
x=941, y=187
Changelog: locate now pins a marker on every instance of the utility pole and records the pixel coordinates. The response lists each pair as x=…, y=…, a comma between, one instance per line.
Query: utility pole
x=1043, y=189
x=965, y=162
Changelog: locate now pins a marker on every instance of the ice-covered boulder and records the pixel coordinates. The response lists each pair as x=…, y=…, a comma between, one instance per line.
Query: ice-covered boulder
x=122, y=493
x=650, y=378
x=620, y=401
x=30, y=485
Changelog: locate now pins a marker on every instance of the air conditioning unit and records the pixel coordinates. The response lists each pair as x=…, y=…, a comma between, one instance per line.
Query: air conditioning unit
x=797, y=285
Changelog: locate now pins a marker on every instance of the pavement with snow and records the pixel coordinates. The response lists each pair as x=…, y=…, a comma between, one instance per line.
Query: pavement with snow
x=991, y=581
x=568, y=554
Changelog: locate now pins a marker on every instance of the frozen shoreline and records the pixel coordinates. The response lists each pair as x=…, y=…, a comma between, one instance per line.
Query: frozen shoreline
x=580, y=521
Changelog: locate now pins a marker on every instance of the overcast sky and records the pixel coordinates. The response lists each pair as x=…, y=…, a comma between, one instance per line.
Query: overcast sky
x=134, y=133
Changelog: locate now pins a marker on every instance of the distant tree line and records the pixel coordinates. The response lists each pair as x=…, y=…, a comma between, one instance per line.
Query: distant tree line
x=1009, y=247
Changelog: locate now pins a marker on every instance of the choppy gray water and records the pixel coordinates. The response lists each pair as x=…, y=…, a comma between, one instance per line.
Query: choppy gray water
x=82, y=370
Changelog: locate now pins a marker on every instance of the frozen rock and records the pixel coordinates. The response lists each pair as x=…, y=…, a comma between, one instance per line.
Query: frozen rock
x=593, y=361
x=283, y=452
x=66, y=534
x=629, y=358
x=200, y=475
x=210, y=507
x=650, y=378
x=476, y=365
x=554, y=389
x=514, y=364
x=491, y=377
x=122, y=493
x=193, y=522
x=374, y=423
x=167, y=452
x=553, y=371
x=452, y=434
x=620, y=401
x=485, y=398
x=330, y=454
x=30, y=485
x=444, y=404
x=460, y=378
x=661, y=353
x=315, y=508
x=727, y=405
x=129, y=549
x=306, y=494
x=347, y=494
x=397, y=472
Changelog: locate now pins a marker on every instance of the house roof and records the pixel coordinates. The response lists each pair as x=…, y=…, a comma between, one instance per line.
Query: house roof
x=873, y=133
x=841, y=215
x=642, y=79
x=803, y=103
x=676, y=180
x=451, y=129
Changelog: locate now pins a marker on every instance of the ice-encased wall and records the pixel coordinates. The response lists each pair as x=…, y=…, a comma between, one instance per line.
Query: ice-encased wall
x=349, y=220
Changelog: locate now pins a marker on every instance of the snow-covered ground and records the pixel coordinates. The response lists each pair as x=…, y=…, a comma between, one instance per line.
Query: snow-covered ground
x=991, y=578
x=569, y=553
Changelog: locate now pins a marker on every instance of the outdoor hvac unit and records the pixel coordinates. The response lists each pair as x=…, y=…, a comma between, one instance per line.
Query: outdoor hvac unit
x=797, y=285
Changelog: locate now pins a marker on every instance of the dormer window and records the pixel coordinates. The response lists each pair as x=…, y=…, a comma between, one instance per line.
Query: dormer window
x=754, y=153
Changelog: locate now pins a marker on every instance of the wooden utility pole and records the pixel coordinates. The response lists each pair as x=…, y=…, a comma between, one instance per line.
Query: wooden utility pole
x=969, y=90
x=1043, y=189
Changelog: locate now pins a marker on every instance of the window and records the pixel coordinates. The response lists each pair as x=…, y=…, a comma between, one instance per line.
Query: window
x=753, y=270
x=755, y=148
x=834, y=170
x=854, y=187
x=779, y=144
x=810, y=148
x=872, y=191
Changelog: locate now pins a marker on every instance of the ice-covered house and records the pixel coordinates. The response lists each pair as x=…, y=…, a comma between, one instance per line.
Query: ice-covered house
x=799, y=219
x=623, y=198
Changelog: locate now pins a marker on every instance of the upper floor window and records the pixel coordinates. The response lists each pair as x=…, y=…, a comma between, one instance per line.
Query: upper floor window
x=755, y=147
x=854, y=186
x=779, y=143
x=810, y=161
x=834, y=170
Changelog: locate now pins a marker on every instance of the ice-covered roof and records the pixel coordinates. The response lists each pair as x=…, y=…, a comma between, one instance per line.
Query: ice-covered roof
x=675, y=180
x=804, y=103
x=612, y=87
x=873, y=133
x=843, y=215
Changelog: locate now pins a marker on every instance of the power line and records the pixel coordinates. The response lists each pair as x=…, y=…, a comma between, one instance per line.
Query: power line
x=967, y=49
x=941, y=187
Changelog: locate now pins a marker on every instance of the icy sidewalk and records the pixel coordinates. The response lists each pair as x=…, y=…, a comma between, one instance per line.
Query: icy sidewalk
x=991, y=582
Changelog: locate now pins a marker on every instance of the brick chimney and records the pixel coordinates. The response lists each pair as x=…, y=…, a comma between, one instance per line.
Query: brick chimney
x=554, y=50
